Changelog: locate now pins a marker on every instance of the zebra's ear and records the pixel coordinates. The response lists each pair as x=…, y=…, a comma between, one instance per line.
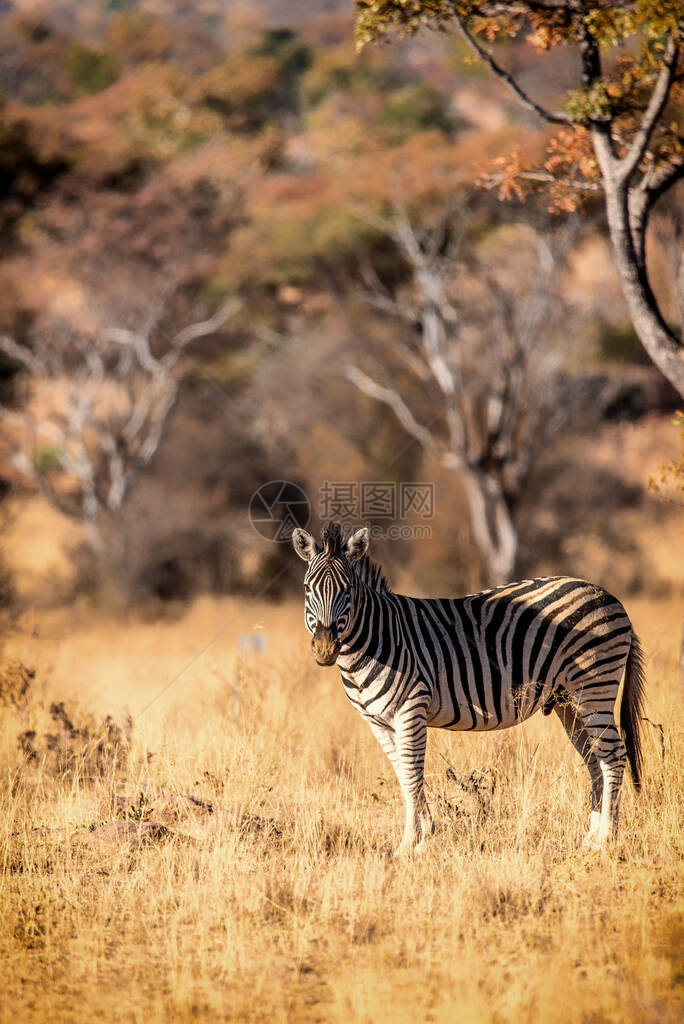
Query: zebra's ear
x=304, y=544
x=357, y=545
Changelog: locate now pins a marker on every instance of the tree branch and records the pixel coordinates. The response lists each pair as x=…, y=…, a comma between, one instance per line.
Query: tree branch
x=21, y=461
x=386, y=304
x=656, y=105
x=490, y=180
x=20, y=354
x=505, y=76
x=436, y=314
x=107, y=415
x=204, y=327
x=394, y=400
x=642, y=198
x=663, y=180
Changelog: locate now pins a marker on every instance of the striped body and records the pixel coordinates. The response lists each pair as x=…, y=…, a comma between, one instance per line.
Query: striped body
x=487, y=661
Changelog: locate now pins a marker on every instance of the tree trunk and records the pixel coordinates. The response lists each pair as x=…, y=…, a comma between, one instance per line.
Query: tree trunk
x=493, y=529
x=653, y=333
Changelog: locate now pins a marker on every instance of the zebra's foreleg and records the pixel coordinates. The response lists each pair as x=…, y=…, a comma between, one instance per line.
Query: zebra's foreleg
x=411, y=739
x=387, y=738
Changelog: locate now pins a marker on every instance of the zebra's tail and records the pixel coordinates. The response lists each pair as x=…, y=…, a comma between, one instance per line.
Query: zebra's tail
x=632, y=708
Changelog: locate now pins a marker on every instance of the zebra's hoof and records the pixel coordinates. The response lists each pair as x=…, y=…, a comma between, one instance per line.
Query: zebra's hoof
x=404, y=851
x=593, y=844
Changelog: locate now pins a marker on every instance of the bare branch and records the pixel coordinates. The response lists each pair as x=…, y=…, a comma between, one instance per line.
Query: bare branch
x=432, y=310
x=107, y=415
x=415, y=364
x=27, y=467
x=402, y=310
x=394, y=400
x=505, y=76
x=494, y=180
x=20, y=354
x=204, y=327
x=139, y=343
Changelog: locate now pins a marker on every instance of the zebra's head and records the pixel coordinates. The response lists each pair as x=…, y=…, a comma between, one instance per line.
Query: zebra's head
x=329, y=586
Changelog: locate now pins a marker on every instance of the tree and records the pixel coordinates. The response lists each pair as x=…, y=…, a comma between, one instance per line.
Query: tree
x=480, y=341
x=95, y=412
x=617, y=131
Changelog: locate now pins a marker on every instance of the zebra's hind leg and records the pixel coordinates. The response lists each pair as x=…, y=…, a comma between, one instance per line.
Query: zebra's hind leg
x=612, y=757
x=596, y=710
x=581, y=741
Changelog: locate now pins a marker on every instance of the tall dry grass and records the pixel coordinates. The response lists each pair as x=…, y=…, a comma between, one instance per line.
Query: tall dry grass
x=283, y=904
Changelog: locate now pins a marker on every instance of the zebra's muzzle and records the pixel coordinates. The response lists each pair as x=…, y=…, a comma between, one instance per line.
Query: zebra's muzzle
x=325, y=645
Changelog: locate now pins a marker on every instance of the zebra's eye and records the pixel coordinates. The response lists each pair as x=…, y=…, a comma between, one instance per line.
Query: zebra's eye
x=307, y=588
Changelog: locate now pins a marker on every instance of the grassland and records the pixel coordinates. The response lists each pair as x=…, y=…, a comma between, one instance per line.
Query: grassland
x=283, y=904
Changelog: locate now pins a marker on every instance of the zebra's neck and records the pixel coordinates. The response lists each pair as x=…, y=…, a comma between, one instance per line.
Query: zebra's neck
x=374, y=615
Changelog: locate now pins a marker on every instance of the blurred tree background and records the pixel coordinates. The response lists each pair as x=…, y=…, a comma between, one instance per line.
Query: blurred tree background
x=234, y=250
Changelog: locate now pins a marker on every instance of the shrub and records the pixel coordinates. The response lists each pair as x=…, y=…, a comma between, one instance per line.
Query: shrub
x=416, y=108
x=90, y=70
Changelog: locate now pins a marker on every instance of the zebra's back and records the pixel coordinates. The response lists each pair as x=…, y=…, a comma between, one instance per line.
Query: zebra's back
x=496, y=657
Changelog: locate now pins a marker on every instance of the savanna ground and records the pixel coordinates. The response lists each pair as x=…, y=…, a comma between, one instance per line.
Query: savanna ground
x=283, y=903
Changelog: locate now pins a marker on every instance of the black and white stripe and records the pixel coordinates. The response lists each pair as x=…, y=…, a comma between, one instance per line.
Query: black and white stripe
x=486, y=661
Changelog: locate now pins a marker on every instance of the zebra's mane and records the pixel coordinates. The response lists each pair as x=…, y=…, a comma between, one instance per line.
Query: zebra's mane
x=368, y=571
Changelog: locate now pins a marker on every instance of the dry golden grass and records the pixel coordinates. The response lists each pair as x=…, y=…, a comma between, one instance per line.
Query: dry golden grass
x=284, y=905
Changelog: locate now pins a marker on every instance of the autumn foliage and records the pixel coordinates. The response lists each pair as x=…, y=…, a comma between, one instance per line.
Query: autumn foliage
x=154, y=167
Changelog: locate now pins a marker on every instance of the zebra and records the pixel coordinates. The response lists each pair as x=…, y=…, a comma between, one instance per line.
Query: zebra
x=486, y=661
